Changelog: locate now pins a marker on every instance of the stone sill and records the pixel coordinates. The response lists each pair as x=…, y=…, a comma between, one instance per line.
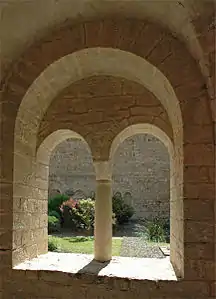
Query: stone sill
x=121, y=267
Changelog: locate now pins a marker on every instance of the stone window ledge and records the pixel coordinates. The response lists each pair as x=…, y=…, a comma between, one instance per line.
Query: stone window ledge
x=153, y=269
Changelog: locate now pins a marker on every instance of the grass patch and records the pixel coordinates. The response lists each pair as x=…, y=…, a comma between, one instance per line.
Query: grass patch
x=79, y=245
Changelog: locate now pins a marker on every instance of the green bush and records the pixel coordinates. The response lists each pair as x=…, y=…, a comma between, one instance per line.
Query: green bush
x=166, y=227
x=55, y=202
x=157, y=230
x=55, y=214
x=53, y=224
x=53, y=244
x=123, y=212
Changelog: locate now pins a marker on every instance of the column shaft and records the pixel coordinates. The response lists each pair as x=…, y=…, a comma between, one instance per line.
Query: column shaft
x=103, y=221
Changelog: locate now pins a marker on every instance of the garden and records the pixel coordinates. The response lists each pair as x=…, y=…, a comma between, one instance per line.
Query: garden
x=71, y=228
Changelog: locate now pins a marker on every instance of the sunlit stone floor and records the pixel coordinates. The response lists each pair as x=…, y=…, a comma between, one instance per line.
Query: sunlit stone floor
x=133, y=268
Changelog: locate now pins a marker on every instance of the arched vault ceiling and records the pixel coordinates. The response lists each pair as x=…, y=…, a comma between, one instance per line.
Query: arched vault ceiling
x=98, y=61
x=23, y=22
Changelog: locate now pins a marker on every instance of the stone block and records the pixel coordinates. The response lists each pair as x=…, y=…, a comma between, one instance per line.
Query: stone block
x=202, y=191
x=213, y=289
x=196, y=232
x=200, y=210
x=5, y=221
x=5, y=259
x=199, y=154
x=182, y=289
x=199, y=270
x=5, y=239
x=199, y=174
x=202, y=251
x=198, y=134
x=196, y=110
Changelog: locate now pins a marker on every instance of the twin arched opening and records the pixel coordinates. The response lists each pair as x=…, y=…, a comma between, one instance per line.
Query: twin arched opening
x=40, y=96
x=107, y=61
x=103, y=170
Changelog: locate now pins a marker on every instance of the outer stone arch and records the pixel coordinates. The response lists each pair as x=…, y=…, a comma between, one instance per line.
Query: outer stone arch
x=176, y=63
x=97, y=61
x=81, y=64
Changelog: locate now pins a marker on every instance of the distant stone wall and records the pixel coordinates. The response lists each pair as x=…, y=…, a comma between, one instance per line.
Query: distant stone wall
x=141, y=173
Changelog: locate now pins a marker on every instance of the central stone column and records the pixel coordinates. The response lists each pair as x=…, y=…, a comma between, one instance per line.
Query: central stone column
x=103, y=213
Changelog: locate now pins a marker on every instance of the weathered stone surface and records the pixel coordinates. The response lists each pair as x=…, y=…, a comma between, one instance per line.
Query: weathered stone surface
x=122, y=267
x=141, y=167
x=193, y=91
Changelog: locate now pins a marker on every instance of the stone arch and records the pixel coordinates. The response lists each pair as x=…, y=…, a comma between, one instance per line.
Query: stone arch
x=176, y=179
x=161, y=54
x=47, y=146
x=45, y=149
x=162, y=49
x=82, y=65
x=170, y=56
x=167, y=53
x=32, y=209
x=85, y=111
x=142, y=129
x=98, y=61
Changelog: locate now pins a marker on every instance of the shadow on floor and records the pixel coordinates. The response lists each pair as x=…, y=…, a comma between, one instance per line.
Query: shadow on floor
x=94, y=267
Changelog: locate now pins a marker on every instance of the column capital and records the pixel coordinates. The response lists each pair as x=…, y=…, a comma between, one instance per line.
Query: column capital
x=103, y=170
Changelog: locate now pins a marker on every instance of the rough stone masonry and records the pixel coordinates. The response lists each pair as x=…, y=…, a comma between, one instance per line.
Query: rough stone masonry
x=140, y=173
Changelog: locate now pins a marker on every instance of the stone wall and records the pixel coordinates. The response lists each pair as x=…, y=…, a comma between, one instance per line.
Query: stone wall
x=57, y=285
x=141, y=173
x=42, y=72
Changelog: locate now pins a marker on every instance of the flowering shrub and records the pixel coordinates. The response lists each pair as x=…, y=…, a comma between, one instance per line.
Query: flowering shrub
x=70, y=203
x=79, y=214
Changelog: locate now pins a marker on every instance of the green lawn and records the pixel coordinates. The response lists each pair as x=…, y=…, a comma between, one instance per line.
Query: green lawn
x=79, y=245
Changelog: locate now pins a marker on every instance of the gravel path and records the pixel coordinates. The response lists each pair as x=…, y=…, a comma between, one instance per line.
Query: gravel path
x=131, y=229
x=137, y=247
